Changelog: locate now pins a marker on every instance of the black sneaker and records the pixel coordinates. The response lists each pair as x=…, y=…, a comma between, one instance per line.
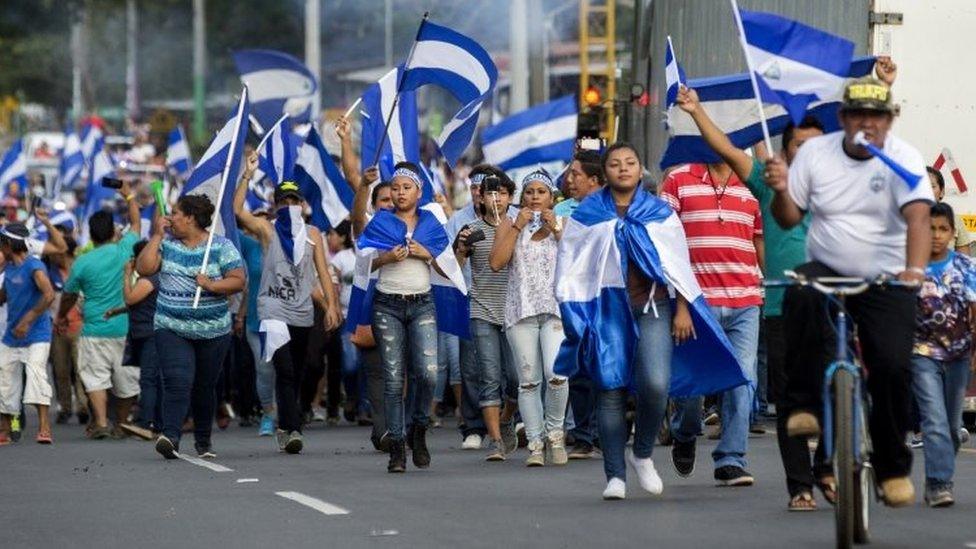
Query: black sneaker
x=166, y=448
x=295, y=443
x=939, y=496
x=683, y=458
x=409, y=438
x=582, y=450
x=421, y=455
x=204, y=450
x=731, y=475
x=398, y=457
x=383, y=443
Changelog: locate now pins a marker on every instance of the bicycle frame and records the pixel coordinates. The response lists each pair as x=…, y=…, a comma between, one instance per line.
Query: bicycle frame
x=842, y=362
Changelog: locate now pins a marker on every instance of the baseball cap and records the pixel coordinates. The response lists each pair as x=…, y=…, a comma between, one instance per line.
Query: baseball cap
x=287, y=189
x=869, y=94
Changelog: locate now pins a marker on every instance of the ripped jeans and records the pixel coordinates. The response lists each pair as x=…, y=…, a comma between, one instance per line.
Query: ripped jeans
x=535, y=343
x=406, y=335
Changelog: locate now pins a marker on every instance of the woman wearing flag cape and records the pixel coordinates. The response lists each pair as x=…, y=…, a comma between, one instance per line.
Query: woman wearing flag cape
x=417, y=279
x=622, y=256
x=294, y=271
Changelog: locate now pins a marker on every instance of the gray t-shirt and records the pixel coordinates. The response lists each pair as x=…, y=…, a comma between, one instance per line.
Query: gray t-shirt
x=286, y=290
x=488, y=288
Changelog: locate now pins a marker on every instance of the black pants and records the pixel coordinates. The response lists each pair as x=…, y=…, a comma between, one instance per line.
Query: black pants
x=289, y=365
x=800, y=473
x=885, y=321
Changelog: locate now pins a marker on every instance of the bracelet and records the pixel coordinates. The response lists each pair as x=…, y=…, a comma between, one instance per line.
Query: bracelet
x=916, y=270
x=129, y=197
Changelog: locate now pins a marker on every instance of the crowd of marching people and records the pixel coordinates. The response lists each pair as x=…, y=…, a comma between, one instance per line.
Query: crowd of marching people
x=564, y=313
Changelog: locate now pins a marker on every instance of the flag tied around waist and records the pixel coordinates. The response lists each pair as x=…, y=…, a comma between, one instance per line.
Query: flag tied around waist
x=385, y=232
x=601, y=331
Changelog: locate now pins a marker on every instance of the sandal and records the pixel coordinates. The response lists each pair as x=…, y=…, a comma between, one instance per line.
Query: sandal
x=828, y=487
x=44, y=437
x=803, y=501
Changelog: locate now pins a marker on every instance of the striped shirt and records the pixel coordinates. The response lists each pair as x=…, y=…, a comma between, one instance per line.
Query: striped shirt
x=178, y=286
x=720, y=227
x=488, y=288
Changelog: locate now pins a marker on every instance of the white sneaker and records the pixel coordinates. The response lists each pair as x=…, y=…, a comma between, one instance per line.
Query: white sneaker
x=963, y=435
x=616, y=489
x=646, y=474
x=471, y=442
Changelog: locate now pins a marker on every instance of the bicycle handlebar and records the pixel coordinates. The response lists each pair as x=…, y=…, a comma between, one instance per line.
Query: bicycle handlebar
x=838, y=285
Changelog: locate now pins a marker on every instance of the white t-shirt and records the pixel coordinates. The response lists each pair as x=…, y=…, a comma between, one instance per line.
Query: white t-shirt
x=857, y=227
x=345, y=261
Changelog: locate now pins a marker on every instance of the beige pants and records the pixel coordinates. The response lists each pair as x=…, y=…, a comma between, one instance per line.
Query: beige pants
x=64, y=357
x=14, y=362
x=100, y=366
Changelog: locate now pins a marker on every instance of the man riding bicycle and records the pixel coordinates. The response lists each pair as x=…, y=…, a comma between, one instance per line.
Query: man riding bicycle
x=865, y=222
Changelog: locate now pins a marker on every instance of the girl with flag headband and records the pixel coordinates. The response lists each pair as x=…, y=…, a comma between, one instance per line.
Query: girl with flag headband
x=622, y=256
x=294, y=256
x=418, y=287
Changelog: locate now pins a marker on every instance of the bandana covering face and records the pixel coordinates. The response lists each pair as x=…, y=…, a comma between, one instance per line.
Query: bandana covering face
x=291, y=229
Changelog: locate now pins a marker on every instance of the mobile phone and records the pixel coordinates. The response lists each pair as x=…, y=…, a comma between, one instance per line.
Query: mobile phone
x=111, y=183
x=476, y=235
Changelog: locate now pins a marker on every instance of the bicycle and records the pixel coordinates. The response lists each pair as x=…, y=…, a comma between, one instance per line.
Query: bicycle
x=847, y=442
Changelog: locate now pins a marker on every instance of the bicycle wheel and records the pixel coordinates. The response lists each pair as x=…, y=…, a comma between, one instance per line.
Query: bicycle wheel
x=844, y=471
x=864, y=490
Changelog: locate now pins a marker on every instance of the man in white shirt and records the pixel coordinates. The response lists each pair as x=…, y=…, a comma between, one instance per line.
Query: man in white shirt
x=865, y=221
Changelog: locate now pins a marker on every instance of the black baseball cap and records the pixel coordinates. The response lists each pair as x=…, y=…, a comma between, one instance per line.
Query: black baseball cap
x=287, y=189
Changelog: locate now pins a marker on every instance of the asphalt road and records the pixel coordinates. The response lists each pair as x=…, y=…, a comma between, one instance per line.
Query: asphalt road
x=107, y=494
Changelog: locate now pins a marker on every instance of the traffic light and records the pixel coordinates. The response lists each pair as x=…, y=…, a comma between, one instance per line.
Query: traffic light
x=592, y=97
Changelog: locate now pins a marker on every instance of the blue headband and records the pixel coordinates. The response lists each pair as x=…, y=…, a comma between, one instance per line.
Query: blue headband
x=541, y=177
x=477, y=178
x=409, y=174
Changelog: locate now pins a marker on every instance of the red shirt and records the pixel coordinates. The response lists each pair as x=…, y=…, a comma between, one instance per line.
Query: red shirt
x=720, y=226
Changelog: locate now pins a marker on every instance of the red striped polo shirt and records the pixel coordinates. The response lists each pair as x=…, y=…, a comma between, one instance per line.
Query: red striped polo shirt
x=720, y=227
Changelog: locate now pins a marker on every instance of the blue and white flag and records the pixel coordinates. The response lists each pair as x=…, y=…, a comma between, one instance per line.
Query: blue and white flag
x=72, y=162
x=674, y=74
x=543, y=133
x=385, y=232
x=460, y=65
x=795, y=64
x=911, y=179
x=58, y=217
x=98, y=197
x=223, y=155
x=731, y=104
x=13, y=169
x=92, y=141
x=292, y=233
x=178, y=153
x=274, y=335
x=278, y=84
x=591, y=286
x=402, y=141
x=322, y=184
x=278, y=151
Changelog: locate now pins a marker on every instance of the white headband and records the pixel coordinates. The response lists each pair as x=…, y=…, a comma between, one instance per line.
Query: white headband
x=408, y=173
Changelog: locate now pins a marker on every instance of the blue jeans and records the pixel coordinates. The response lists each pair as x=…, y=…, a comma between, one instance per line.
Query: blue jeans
x=150, y=383
x=190, y=368
x=264, y=378
x=353, y=375
x=406, y=334
x=939, y=388
x=651, y=377
x=741, y=325
x=448, y=363
x=498, y=380
x=582, y=403
x=473, y=423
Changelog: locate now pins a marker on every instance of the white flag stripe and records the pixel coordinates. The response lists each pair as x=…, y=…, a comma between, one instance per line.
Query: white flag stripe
x=785, y=74
x=552, y=131
x=276, y=84
x=335, y=210
x=580, y=279
x=446, y=56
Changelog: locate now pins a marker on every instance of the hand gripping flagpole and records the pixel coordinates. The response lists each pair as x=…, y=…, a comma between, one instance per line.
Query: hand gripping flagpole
x=396, y=98
x=752, y=77
x=220, y=194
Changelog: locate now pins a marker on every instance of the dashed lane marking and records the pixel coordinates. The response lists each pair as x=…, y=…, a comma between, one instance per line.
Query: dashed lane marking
x=215, y=467
x=323, y=507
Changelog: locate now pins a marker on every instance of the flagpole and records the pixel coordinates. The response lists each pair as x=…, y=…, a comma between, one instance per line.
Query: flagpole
x=396, y=98
x=752, y=76
x=353, y=107
x=220, y=194
x=671, y=47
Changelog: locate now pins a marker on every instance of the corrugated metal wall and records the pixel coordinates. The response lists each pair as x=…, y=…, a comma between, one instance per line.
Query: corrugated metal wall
x=706, y=43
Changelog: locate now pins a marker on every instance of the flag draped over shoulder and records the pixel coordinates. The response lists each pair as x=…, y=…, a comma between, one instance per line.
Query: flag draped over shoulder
x=601, y=332
x=385, y=232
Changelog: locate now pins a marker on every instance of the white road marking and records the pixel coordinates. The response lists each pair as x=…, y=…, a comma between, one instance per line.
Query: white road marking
x=323, y=507
x=243, y=480
x=215, y=467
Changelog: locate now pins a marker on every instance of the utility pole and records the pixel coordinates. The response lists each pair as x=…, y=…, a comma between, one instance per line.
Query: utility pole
x=199, y=72
x=132, y=56
x=537, y=55
x=313, y=54
x=76, y=56
x=519, y=53
x=388, y=33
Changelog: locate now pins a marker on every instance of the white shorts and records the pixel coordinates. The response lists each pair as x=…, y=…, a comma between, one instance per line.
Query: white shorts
x=13, y=362
x=100, y=366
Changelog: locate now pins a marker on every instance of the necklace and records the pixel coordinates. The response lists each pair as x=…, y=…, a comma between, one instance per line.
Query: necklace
x=719, y=195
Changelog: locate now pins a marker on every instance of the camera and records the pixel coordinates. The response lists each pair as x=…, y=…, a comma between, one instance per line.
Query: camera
x=491, y=184
x=111, y=183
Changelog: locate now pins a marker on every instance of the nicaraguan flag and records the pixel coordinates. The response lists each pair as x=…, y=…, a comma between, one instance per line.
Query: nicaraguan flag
x=322, y=184
x=460, y=65
x=223, y=155
x=402, y=142
x=911, y=179
x=278, y=84
x=591, y=287
x=92, y=141
x=278, y=151
x=98, y=196
x=386, y=231
x=292, y=232
x=731, y=104
x=13, y=169
x=58, y=217
x=72, y=162
x=795, y=64
x=674, y=74
x=178, y=153
x=543, y=133
x=274, y=335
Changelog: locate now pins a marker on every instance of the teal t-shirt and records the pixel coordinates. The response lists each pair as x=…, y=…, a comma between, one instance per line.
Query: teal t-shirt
x=566, y=207
x=97, y=275
x=785, y=249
